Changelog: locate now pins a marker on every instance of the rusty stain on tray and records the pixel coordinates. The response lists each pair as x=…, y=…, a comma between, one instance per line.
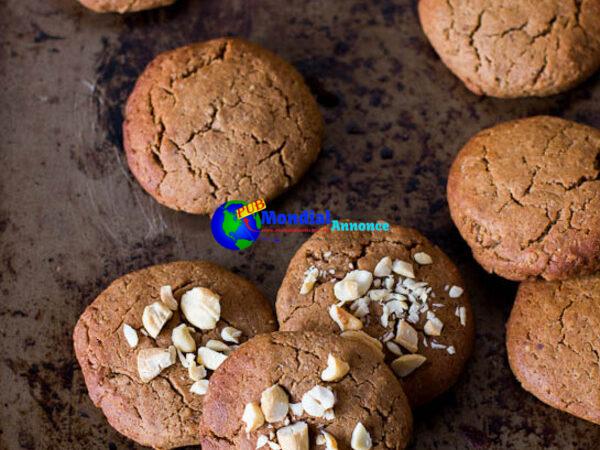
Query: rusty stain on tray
x=72, y=218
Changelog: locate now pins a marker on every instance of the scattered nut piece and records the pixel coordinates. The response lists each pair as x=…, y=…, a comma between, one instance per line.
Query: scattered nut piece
x=422, y=258
x=218, y=346
x=383, y=267
x=199, y=387
x=388, y=282
x=403, y=268
x=394, y=348
x=363, y=337
x=407, y=336
x=296, y=409
x=316, y=401
x=406, y=364
x=344, y=319
x=152, y=361
x=262, y=441
x=195, y=371
x=455, y=292
x=230, y=334
x=210, y=359
x=433, y=327
x=253, y=417
x=354, y=285
x=293, y=437
x=361, y=439
x=274, y=445
x=274, y=403
x=183, y=358
x=329, y=441
x=154, y=318
x=336, y=369
x=201, y=307
x=329, y=414
x=310, y=278
x=461, y=312
x=182, y=338
x=130, y=336
x=451, y=350
x=166, y=296
x=378, y=294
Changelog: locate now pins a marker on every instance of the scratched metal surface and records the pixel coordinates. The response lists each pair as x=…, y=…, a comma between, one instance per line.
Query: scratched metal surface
x=72, y=219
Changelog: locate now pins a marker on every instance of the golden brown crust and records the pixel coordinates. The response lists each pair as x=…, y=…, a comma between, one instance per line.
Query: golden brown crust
x=220, y=120
x=364, y=250
x=553, y=343
x=369, y=393
x=162, y=413
x=123, y=6
x=525, y=195
x=508, y=48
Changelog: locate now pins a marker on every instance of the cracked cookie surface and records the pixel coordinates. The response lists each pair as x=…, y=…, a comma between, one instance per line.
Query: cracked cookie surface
x=162, y=413
x=525, y=195
x=220, y=120
x=124, y=6
x=369, y=393
x=335, y=252
x=508, y=48
x=553, y=341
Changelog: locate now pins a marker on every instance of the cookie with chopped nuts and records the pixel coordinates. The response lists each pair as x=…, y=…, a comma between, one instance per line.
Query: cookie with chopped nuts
x=123, y=6
x=299, y=390
x=217, y=121
x=394, y=291
x=525, y=195
x=554, y=346
x=515, y=49
x=149, y=343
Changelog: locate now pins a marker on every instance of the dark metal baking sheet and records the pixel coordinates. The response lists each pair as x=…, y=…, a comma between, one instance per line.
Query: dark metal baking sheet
x=72, y=218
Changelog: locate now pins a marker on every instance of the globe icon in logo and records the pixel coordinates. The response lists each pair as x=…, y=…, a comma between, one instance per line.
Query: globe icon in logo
x=231, y=232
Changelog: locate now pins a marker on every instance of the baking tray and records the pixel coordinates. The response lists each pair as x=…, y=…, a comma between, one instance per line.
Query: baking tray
x=72, y=218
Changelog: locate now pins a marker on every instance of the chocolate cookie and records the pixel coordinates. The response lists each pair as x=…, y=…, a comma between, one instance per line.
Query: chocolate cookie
x=554, y=345
x=301, y=390
x=525, y=195
x=123, y=6
x=217, y=121
x=507, y=48
x=148, y=343
x=395, y=287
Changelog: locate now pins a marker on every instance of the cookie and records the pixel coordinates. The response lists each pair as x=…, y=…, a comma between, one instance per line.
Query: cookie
x=217, y=121
x=151, y=388
x=554, y=346
x=123, y=6
x=525, y=195
x=395, y=287
x=505, y=48
x=305, y=387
